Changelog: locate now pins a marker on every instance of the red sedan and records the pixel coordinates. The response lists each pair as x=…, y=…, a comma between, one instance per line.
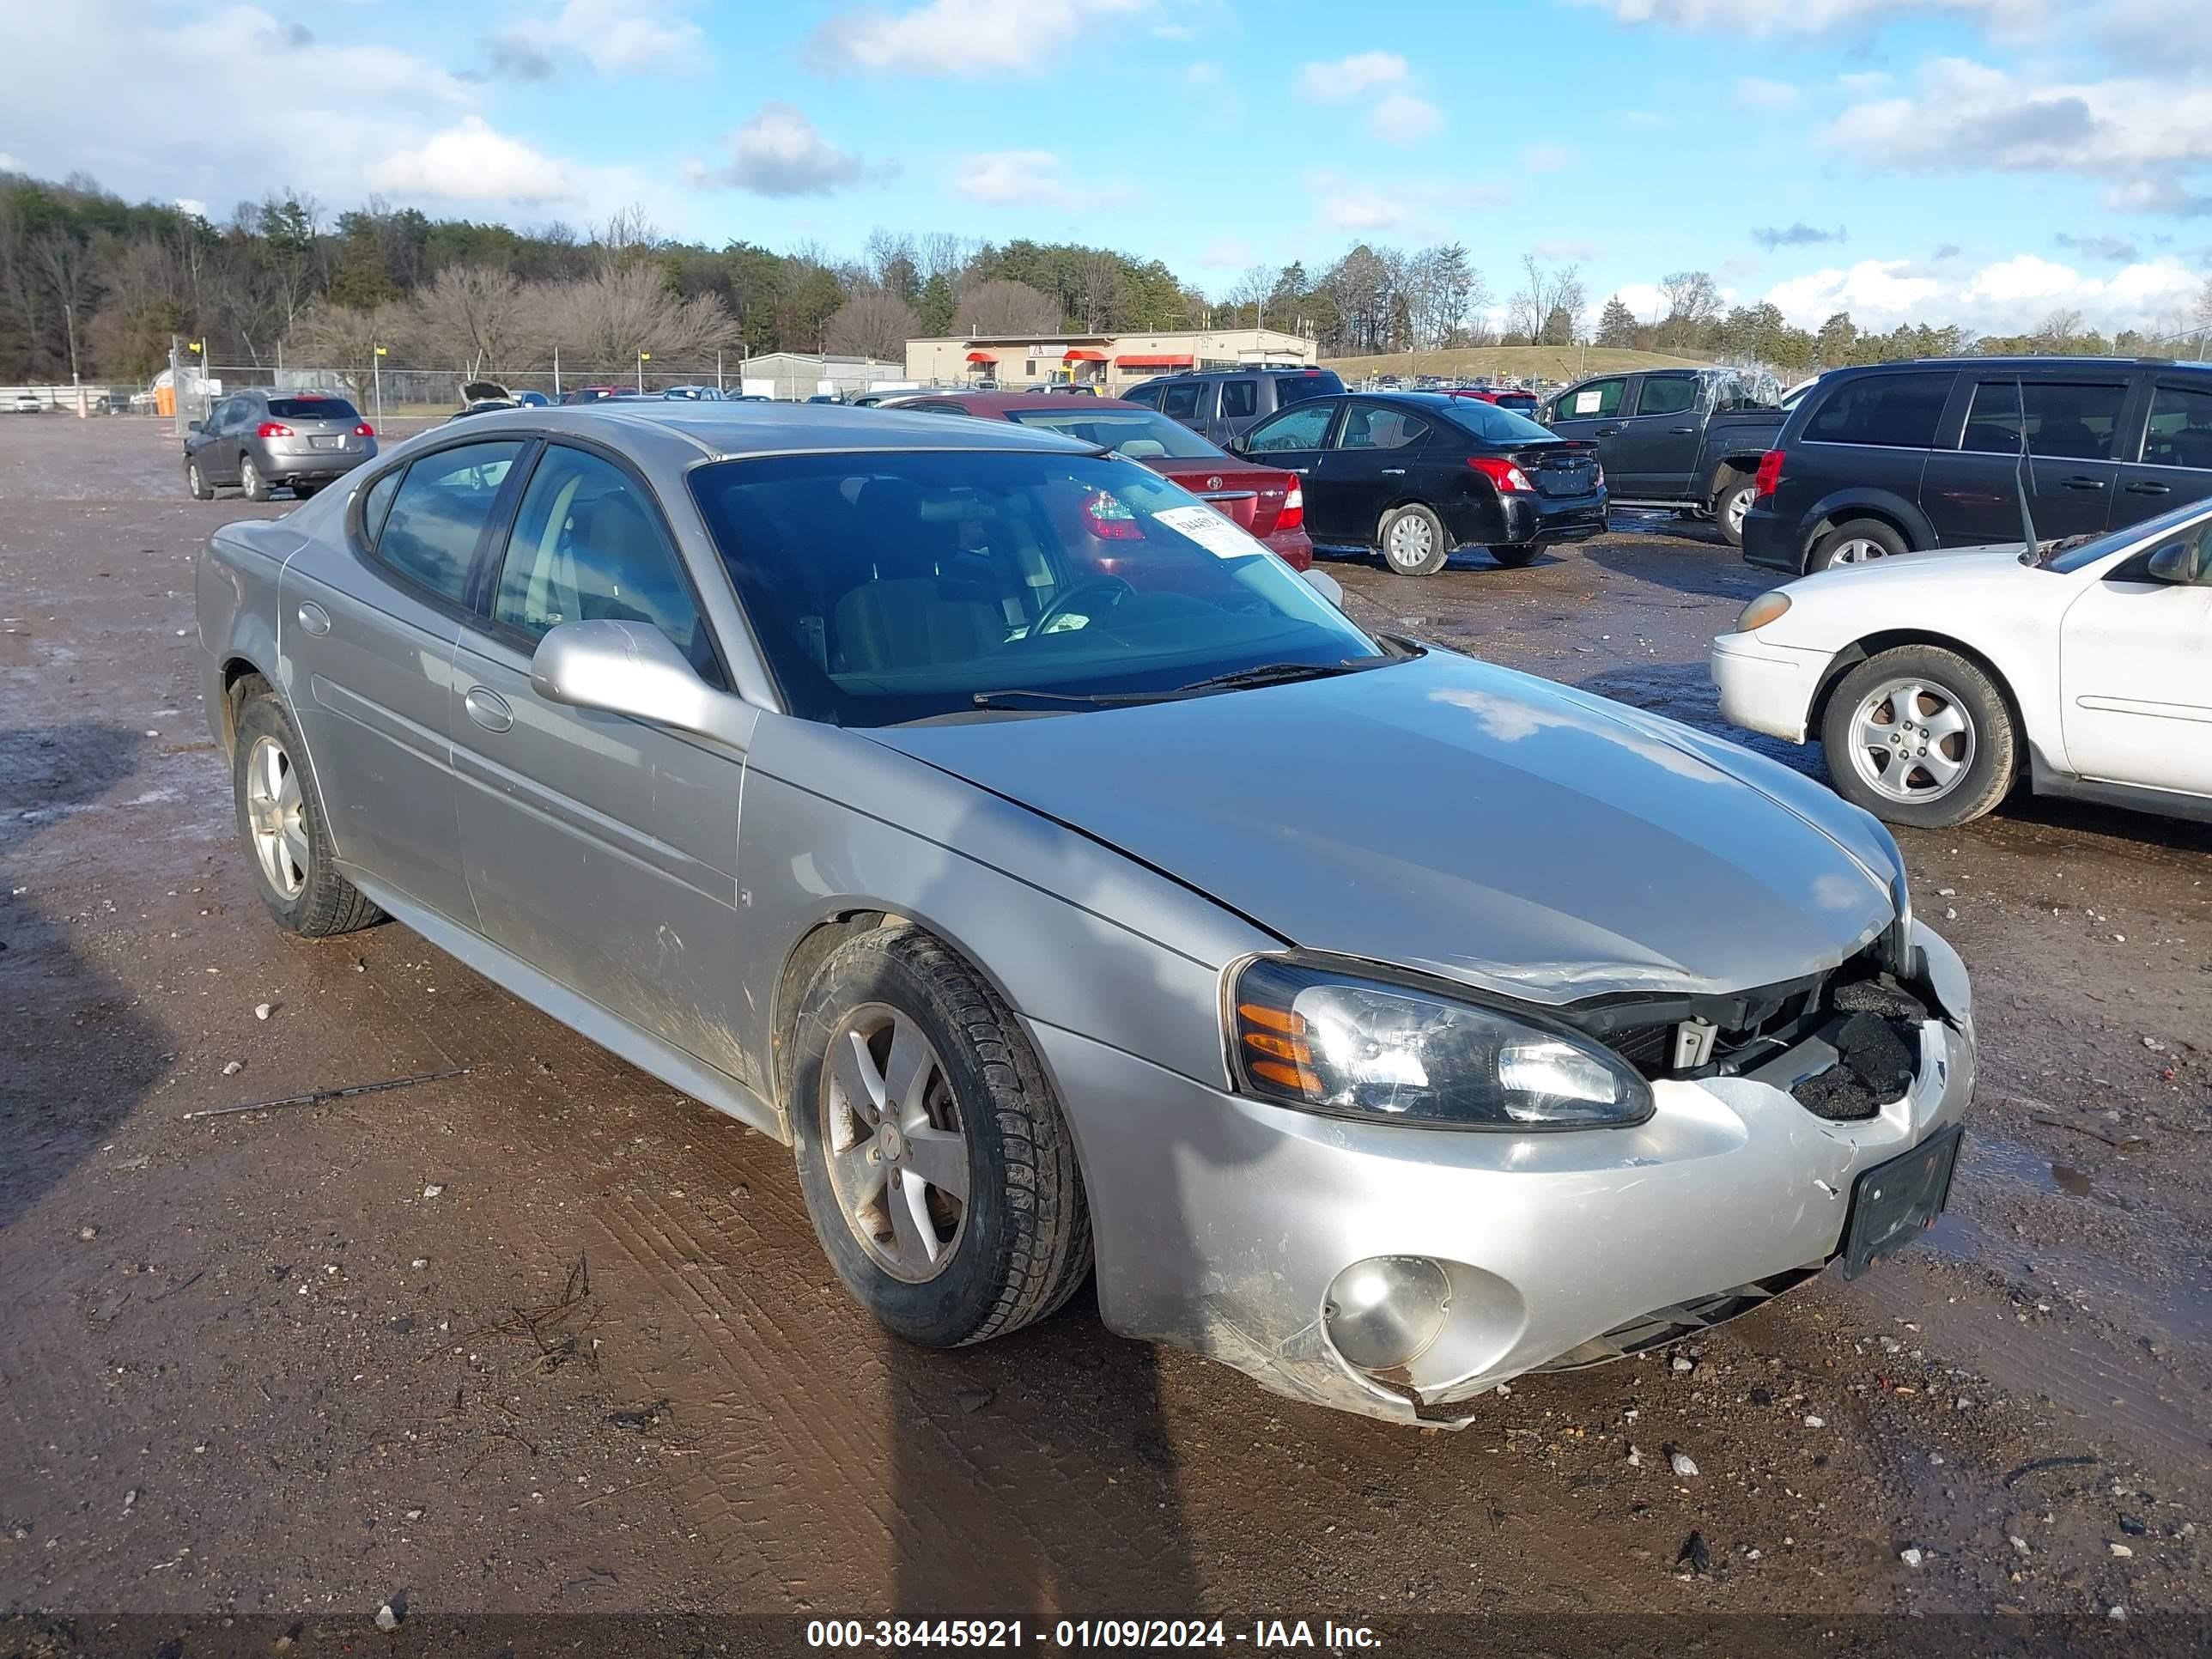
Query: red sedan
x=1505, y=397
x=1264, y=500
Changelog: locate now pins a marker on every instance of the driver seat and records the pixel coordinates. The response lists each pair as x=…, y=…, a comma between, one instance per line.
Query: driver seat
x=904, y=615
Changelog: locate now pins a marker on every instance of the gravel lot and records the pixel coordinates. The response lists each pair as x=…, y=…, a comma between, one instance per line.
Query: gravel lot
x=548, y=1337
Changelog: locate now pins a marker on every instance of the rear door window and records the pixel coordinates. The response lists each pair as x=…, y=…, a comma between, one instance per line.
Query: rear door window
x=1668, y=394
x=2180, y=431
x=1897, y=410
x=1385, y=428
x=1180, y=401
x=2073, y=420
x=1594, y=402
x=1239, y=399
x=440, y=512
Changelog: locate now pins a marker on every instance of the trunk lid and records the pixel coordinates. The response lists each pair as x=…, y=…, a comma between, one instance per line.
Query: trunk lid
x=1251, y=497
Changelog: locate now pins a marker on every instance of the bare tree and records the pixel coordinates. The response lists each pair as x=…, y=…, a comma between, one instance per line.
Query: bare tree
x=1006, y=307
x=626, y=231
x=344, y=339
x=475, y=318
x=1099, y=290
x=607, y=318
x=65, y=265
x=872, y=325
x=1692, y=298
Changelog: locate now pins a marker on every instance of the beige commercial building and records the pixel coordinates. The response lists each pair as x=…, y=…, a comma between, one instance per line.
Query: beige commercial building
x=1109, y=361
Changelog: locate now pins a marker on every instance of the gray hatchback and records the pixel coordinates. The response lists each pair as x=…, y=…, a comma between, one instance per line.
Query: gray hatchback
x=265, y=441
x=1065, y=880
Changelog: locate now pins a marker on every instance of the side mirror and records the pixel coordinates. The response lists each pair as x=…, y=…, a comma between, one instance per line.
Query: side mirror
x=1325, y=585
x=2181, y=563
x=1237, y=445
x=195, y=426
x=629, y=668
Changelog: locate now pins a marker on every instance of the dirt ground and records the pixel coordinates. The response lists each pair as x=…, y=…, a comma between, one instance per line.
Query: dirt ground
x=549, y=1338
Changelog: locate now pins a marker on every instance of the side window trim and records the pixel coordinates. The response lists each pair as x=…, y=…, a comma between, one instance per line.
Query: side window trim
x=492, y=568
x=2152, y=385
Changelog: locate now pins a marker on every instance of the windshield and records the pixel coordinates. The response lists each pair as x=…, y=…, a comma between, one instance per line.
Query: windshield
x=2147, y=530
x=893, y=587
x=1496, y=424
x=1139, y=434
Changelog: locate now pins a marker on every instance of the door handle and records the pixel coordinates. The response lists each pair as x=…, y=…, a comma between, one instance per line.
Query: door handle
x=488, y=708
x=1301, y=471
x=2150, y=487
x=1684, y=431
x=1394, y=471
x=1608, y=432
x=2083, y=483
x=314, y=618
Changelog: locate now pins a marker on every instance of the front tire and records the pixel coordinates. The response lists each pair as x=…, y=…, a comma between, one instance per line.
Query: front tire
x=1856, y=541
x=196, y=482
x=936, y=1167
x=1414, y=541
x=1730, y=507
x=256, y=486
x=280, y=821
x=1920, y=736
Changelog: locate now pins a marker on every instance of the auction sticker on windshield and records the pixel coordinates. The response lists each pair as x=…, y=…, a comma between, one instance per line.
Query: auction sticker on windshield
x=1211, y=531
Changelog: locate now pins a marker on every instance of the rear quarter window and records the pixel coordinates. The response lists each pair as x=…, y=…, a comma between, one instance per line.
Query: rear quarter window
x=1898, y=412
x=1297, y=388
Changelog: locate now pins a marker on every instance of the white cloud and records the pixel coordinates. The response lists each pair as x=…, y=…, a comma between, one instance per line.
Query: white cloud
x=1864, y=83
x=472, y=162
x=780, y=153
x=616, y=37
x=2007, y=297
x=1647, y=299
x=1548, y=158
x=962, y=37
x=8, y=163
x=1404, y=119
x=1761, y=17
x=1347, y=77
x=1228, y=253
x=1756, y=92
x=1348, y=203
x=1202, y=73
x=1033, y=178
x=191, y=204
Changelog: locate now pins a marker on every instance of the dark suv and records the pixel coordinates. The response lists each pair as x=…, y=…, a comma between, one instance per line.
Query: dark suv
x=1902, y=457
x=1226, y=403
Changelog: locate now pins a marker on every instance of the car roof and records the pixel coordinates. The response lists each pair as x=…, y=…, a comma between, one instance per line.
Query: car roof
x=731, y=430
x=1248, y=368
x=991, y=403
x=2001, y=362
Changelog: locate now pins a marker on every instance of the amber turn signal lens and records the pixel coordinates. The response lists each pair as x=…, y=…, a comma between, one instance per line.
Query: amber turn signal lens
x=1291, y=1077
x=1275, y=1019
x=1281, y=1048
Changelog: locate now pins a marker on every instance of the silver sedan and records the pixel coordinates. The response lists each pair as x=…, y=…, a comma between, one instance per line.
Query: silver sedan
x=1067, y=881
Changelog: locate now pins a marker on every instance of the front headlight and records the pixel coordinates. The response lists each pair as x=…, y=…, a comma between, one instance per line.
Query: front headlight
x=1766, y=608
x=1361, y=1047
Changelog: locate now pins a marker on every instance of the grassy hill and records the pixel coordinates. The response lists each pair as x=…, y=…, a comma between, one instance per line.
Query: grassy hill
x=1544, y=363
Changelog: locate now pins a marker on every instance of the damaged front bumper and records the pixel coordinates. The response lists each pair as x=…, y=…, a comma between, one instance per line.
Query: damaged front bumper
x=1222, y=1221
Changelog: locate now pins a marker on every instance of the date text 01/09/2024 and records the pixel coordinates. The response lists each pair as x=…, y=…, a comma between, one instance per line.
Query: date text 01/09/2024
x=1264, y=1634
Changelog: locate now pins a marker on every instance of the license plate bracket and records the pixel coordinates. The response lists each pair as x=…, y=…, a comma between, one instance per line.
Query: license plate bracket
x=1893, y=1203
x=328, y=443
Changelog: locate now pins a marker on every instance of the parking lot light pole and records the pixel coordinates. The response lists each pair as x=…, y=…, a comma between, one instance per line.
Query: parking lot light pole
x=643, y=358
x=376, y=373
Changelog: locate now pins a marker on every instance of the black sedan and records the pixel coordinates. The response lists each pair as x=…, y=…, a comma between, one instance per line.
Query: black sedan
x=1417, y=475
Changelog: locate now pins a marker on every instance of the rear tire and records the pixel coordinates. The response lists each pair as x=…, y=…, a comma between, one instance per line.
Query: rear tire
x=1856, y=541
x=302, y=491
x=1729, y=507
x=1513, y=558
x=1918, y=735
x=976, y=1110
x=249, y=476
x=1414, y=542
x=279, y=822
x=201, y=488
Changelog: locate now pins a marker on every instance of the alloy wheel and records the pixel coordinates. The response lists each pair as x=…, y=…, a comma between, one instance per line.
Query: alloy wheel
x=1739, y=509
x=275, y=816
x=1911, y=741
x=896, y=1154
x=1860, y=550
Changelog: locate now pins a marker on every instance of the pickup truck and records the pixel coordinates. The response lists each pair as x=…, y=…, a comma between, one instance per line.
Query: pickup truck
x=1689, y=438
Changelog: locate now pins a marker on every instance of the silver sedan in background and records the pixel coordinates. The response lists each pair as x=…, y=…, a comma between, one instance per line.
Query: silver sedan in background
x=1065, y=880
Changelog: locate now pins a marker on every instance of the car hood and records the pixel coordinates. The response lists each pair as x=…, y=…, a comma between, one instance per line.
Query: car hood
x=1451, y=816
x=1999, y=562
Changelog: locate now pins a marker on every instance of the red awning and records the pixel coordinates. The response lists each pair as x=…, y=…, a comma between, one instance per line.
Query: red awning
x=1084, y=355
x=982, y=357
x=1183, y=361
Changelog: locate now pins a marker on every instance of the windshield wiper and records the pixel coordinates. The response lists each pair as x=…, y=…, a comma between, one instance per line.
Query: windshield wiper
x=1266, y=673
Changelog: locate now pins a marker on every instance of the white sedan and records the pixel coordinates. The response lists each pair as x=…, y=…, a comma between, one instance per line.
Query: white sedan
x=1934, y=680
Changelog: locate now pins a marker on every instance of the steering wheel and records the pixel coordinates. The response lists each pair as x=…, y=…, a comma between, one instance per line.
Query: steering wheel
x=1060, y=606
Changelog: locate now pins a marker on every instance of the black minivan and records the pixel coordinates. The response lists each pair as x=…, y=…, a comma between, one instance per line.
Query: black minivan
x=1897, y=457
x=1221, y=404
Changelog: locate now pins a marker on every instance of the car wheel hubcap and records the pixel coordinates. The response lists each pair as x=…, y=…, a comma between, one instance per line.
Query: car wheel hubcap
x=1410, y=542
x=1739, y=509
x=275, y=817
x=1911, y=741
x=897, y=1153
x=193, y=477
x=1858, y=551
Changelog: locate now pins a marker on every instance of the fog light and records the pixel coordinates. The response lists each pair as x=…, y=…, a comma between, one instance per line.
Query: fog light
x=1385, y=1311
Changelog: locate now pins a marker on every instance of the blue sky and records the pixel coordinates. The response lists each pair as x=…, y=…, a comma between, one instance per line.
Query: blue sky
x=1981, y=161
